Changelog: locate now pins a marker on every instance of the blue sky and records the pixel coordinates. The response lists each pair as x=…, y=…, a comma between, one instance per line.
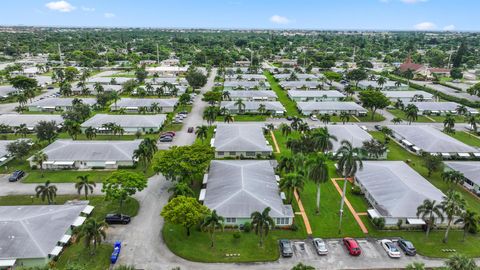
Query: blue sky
x=299, y=14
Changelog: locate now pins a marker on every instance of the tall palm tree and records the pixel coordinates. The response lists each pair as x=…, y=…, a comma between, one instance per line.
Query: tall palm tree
x=22, y=130
x=428, y=211
x=345, y=117
x=349, y=162
x=461, y=110
x=226, y=95
x=381, y=82
x=325, y=118
x=460, y=262
x=202, y=132
x=449, y=124
x=470, y=221
x=84, y=184
x=181, y=189
x=93, y=232
x=210, y=114
x=295, y=122
x=290, y=183
x=453, y=205
x=90, y=132
x=472, y=121
x=285, y=129
x=211, y=222
x=22, y=100
x=322, y=139
x=318, y=173
x=262, y=223
x=286, y=164
x=145, y=152
x=39, y=158
x=240, y=105
x=46, y=191
x=453, y=178
x=411, y=112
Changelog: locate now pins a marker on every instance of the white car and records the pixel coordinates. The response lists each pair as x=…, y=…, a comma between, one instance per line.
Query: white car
x=313, y=118
x=320, y=246
x=390, y=248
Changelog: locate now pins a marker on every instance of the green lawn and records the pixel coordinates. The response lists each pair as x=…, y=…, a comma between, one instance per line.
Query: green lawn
x=368, y=118
x=466, y=138
x=244, y=118
x=290, y=105
x=401, y=114
x=206, y=141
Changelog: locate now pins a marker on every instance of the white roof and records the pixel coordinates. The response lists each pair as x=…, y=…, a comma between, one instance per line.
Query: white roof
x=330, y=106
x=352, y=133
x=300, y=76
x=300, y=84
x=407, y=94
x=246, y=84
x=252, y=94
x=126, y=121
x=470, y=169
x=5, y=90
x=79, y=221
x=439, y=106
x=375, y=84
x=107, y=80
x=88, y=209
x=145, y=102
x=7, y=263
x=254, y=105
x=65, y=239
x=315, y=93
x=3, y=147
x=56, y=251
x=240, y=137
x=60, y=102
x=31, y=120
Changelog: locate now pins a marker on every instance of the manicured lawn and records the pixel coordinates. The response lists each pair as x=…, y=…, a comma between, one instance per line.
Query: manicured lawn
x=244, y=118
x=290, y=105
x=79, y=254
x=401, y=114
x=466, y=138
x=440, y=119
x=368, y=118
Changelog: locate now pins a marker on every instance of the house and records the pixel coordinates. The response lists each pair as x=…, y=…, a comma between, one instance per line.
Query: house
x=331, y=107
x=315, y=95
x=245, y=85
x=170, y=62
x=8, y=91
x=5, y=156
x=423, y=138
x=242, y=63
x=387, y=86
x=394, y=191
x=130, y=123
x=240, y=140
x=295, y=77
x=286, y=62
x=237, y=188
x=70, y=154
x=30, y=120
x=407, y=96
x=253, y=95
x=439, y=108
x=90, y=89
x=33, y=235
x=470, y=171
x=177, y=81
x=351, y=133
x=271, y=107
x=289, y=85
x=421, y=70
x=246, y=77
x=57, y=104
x=108, y=80
x=134, y=104
x=167, y=70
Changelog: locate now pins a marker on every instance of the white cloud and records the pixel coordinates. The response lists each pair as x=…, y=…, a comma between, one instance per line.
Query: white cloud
x=413, y=1
x=279, y=19
x=424, y=26
x=88, y=9
x=450, y=27
x=62, y=6
x=109, y=15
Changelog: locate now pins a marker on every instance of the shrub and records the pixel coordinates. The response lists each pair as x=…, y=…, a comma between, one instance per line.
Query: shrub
x=247, y=227
x=399, y=223
x=356, y=190
x=294, y=227
x=379, y=222
x=236, y=235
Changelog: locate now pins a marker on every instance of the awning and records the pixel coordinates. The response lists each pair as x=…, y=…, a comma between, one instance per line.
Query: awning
x=407, y=143
x=282, y=195
x=463, y=154
x=65, y=239
x=373, y=213
x=205, y=179
x=79, y=221
x=64, y=163
x=445, y=154
x=416, y=148
x=2, y=159
x=277, y=178
x=476, y=154
x=88, y=209
x=202, y=195
x=415, y=221
x=110, y=162
x=48, y=162
x=131, y=108
x=7, y=263
x=56, y=251
x=212, y=142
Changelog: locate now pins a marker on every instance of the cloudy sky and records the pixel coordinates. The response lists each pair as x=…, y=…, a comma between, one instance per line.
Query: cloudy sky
x=436, y=15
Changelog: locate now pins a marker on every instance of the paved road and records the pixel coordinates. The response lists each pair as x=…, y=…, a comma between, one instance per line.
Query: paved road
x=10, y=107
x=450, y=91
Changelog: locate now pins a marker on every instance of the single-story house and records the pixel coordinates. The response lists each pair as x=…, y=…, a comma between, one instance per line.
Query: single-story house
x=273, y=107
x=242, y=63
x=295, y=77
x=423, y=138
x=56, y=104
x=70, y=154
x=286, y=62
x=167, y=70
x=395, y=190
x=439, y=108
x=5, y=156
x=253, y=95
x=237, y=188
x=108, y=88
x=170, y=62
x=133, y=104
x=289, y=85
x=387, y=86
x=33, y=235
x=236, y=140
x=171, y=80
x=145, y=123
x=246, y=77
x=7, y=91
x=31, y=120
x=108, y=80
x=43, y=81
x=245, y=85
x=315, y=95
x=408, y=96
x=331, y=107
x=470, y=171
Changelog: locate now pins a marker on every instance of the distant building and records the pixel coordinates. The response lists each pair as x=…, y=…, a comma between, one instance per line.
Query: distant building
x=315, y=95
x=134, y=104
x=130, y=123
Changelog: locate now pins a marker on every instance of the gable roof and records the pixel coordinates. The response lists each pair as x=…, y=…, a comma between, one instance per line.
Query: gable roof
x=145, y=102
x=407, y=94
x=15, y=120
x=470, y=169
x=252, y=93
x=60, y=102
x=352, y=133
x=237, y=188
x=439, y=106
x=315, y=93
x=254, y=105
x=126, y=121
x=330, y=106
x=240, y=137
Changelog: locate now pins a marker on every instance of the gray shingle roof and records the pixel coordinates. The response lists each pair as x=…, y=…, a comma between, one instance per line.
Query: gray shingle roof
x=252, y=93
x=300, y=76
x=439, y=106
x=240, y=137
x=60, y=102
x=33, y=231
x=254, y=105
x=352, y=133
x=30, y=120
x=237, y=188
x=375, y=84
x=299, y=84
x=126, y=121
x=407, y=94
x=330, y=105
x=145, y=102
x=397, y=188
x=246, y=84
x=431, y=140
x=107, y=80
x=5, y=90
x=470, y=169
x=3, y=147
x=315, y=93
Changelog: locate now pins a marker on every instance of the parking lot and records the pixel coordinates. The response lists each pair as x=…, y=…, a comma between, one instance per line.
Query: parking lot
x=373, y=256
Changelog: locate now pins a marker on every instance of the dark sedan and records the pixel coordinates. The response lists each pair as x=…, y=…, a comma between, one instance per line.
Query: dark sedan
x=407, y=247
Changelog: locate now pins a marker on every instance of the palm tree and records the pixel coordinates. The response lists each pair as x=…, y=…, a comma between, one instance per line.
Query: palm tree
x=345, y=117
x=381, y=82
x=85, y=185
x=285, y=129
x=262, y=109
x=325, y=118
x=90, y=132
x=470, y=220
x=461, y=110
x=453, y=178
x=348, y=163
x=411, y=112
x=322, y=139
x=416, y=266
x=39, y=158
x=210, y=114
x=98, y=88
x=262, y=223
x=155, y=107
x=224, y=111
x=94, y=232
x=46, y=191
x=240, y=105
x=303, y=128
x=397, y=120
x=318, y=173
x=453, y=205
x=428, y=211
x=145, y=152
x=227, y=118
x=226, y=95
x=290, y=183
x=202, y=132
x=181, y=189
x=73, y=129
x=374, y=148
x=211, y=222
x=460, y=262
x=449, y=124
x=472, y=121
x=22, y=130
x=22, y=100
x=295, y=122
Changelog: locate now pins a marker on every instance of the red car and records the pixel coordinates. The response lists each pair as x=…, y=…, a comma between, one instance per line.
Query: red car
x=171, y=133
x=352, y=246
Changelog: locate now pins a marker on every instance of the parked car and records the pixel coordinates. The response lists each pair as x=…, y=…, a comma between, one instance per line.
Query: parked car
x=169, y=132
x=378, y=127
x=407, y=247
x=352, y=246
x=190, y=130
x=313, y=118
x=286, y=248
x=289, y=118
x=165, y=139
x=390, y=248
x=116, y=252
x=320, y=246
x=117, y=219
x=16, y=175
x=183, y=112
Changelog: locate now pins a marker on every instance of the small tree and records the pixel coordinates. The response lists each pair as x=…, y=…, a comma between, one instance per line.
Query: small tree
x=433, y=163
x=19, y=149
x=93, y=232
x=184, y=211
x=122, y=184
x=262, y=223
x=460, y=262
x=84, y=184
x=211, y=222
x=374, y=100
x=39, y=158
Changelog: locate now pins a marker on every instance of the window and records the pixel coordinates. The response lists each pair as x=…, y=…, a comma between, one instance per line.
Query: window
x=231, y=220
x=250, y=154
x=232, y=153
x=220, y=153
x=282, y=221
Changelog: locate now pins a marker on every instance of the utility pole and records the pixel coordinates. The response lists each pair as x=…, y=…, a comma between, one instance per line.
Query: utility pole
x=158, y=56
x=60, y=53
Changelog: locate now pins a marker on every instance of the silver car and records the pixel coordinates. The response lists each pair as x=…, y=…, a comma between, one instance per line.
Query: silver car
x=320, y=246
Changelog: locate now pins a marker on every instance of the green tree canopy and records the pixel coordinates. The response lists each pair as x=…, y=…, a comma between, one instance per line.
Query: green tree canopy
x=184, y=211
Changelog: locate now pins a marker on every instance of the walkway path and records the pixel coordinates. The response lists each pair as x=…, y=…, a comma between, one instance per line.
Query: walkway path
x=308, y=228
